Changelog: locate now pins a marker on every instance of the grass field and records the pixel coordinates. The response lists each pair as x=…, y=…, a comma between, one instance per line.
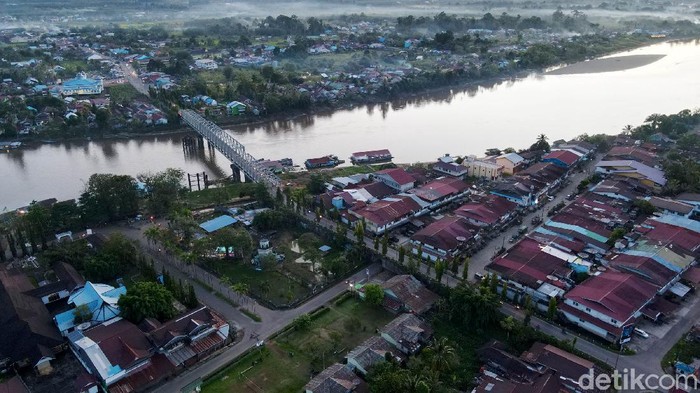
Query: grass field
x=286, y=363
x=282, y=290
x=218, y=196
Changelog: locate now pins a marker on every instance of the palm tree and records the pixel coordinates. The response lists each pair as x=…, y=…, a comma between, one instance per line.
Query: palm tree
x=413, y=383
x=508, y=324
x=152, y=234
x=241, y=289
x=442, y=356
x=542, y=138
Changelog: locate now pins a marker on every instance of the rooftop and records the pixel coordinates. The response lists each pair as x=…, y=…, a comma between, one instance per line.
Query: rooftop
x=217, y=223
x=488, y=211
x=528, y=264
x=564, y=156
x=388, y=210
x=28, y=330
x=398, y=175
x=411, y=292
x=408, y=330
x=671, y=205
x=447, y=233
x=618, y=295
x=623, y=166
x=337, y=378
x=512, y=157
x=440, y=188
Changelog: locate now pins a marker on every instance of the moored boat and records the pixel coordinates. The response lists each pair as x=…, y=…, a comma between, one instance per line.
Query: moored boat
x=328, y=161
x=371, y=156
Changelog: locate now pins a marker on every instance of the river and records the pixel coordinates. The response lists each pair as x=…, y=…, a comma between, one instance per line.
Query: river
x=512, y=113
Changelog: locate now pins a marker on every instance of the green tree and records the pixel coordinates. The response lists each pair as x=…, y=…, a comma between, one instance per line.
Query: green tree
x=552, y=308
x=302, y=322
x=439, y=270
x=465, y=268
x=402, y=254
x=441, y=355
x=147, y=300
x=493, y=284
x=109, y=197
x=241, y=289
x=82, y=314
x=374, y=294
x=644, y=206
x=112, y=259
x=376, y=243
x=541, y=143
x=508, y=324
x=316, y=184
x=504, y=291
x=360, y=233
x=162, y=189
x=385, y=244
x=192, y=300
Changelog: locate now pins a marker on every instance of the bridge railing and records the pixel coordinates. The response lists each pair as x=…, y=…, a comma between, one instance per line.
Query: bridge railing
x=230, y=148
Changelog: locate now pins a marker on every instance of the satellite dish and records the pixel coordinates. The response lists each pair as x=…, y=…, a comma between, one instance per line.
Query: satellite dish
x=461, y=239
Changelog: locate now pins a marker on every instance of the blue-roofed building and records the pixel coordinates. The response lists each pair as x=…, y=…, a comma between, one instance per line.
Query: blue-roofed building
x=100, y=299
x=217, y=223
x=82, y=85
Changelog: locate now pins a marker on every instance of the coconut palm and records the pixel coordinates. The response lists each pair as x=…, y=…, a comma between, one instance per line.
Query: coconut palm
x=441, y=355
x=241, y=289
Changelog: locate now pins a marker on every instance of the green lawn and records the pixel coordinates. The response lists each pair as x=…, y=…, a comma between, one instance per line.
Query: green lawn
x=123, y=94
x=286, y=363
x=283, y=290
x=218, y=196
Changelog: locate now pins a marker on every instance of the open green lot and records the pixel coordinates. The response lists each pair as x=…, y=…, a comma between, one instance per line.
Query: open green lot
x=286, y=363
x=271, y=285
x=218, y=196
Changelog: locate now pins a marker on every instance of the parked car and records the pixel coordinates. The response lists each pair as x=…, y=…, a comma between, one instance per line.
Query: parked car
x=478, y=276
x=641, y=333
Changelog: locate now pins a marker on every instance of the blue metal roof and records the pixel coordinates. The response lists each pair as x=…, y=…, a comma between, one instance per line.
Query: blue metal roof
x=217, y=223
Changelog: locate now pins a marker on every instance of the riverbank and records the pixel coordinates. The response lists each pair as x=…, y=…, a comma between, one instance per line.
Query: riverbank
x=395, y=100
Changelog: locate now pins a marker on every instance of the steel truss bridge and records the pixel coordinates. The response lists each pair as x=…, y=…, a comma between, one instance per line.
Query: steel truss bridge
x=230, y=148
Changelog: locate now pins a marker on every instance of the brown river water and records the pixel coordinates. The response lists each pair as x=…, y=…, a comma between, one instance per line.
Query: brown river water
x=600, y=97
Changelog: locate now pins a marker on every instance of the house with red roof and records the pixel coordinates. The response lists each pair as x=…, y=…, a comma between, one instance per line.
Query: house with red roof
x=119, y=356
x=396, y=178
x=608, y=304
x=644, y=156
x=562, y=158
x=388, y=213
x=188, y=339
x=441, y=191
x=444, y=238
x=490, y=211
x=533, y=268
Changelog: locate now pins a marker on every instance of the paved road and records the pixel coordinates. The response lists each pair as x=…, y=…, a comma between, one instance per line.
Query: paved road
x=478, y=261
x=132, y=77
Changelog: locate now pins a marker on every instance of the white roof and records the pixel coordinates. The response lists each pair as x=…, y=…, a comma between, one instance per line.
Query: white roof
x=97, y=357
x=512, y=157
